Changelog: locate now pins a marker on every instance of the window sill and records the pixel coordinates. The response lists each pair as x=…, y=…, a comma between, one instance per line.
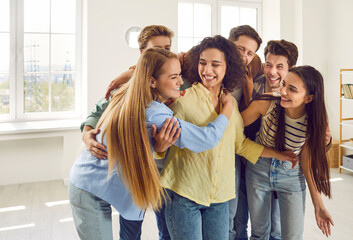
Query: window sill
x=21, y=130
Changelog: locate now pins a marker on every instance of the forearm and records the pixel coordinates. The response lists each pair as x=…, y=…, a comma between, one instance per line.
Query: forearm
x=93, y=118
x=270, y=153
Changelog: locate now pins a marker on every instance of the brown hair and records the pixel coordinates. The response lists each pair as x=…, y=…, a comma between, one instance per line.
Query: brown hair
x=152, y=31
x=283, y=48
x=129, y=148
x=246, y=30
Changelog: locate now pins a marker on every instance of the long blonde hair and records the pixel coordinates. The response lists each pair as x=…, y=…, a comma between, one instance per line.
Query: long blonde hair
x=128, y=144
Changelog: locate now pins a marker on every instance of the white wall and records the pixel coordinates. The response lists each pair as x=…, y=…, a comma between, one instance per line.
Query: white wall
x=271, y=23
x=292, y=24
x=340, y=55
x=41, y=156
x=107, y=53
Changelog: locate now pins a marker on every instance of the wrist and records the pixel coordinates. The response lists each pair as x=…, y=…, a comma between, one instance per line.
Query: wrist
x=317, y=202
x=318, y=205
x=274, y=153
x=159, y=149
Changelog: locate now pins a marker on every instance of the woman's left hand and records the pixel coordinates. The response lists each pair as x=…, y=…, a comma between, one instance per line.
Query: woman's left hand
x=324, y=220
x=167, y=136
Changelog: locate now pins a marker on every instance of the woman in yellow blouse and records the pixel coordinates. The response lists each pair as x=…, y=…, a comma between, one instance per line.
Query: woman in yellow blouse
x=200, y=184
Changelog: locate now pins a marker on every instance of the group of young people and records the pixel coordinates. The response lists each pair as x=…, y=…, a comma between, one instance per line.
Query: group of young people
x=189, y=158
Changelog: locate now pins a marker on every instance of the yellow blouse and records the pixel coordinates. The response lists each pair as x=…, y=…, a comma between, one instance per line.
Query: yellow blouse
x=207, y=177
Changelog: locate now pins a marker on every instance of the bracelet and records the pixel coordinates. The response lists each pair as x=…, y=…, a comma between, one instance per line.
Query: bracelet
x=276, y=94
x=328, y=146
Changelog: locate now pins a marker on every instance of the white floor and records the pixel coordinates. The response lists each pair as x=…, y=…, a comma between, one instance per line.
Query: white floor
x=44, y=212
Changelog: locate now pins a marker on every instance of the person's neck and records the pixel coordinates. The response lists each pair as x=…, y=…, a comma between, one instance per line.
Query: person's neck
x=295, y=113
x=268, y=89
x=215, y=91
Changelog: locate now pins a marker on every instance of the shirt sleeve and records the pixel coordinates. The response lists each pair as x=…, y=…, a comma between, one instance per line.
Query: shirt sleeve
x=93, y=118
x=256, y=66
x=195, y=138
x=158, y=155
x=244, y=146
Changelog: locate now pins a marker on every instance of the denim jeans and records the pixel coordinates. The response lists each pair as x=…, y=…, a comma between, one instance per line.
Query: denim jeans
x=262, y=179
x=233, y=203
x=187, y=220
x=242, y=215
x=275, y=233
x=93, y=217
x=163, y=233
x=238, y=228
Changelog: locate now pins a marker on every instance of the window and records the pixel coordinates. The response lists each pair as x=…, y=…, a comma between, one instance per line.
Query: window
x=194, y=23
x=40, y=67
x=199, y=19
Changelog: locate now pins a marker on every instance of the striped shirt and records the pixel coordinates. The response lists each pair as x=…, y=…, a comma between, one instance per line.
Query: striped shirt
x=295, y=135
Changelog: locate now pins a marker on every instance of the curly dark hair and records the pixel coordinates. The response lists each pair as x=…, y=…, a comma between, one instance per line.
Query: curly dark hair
x=235, y=69
x=283, y=48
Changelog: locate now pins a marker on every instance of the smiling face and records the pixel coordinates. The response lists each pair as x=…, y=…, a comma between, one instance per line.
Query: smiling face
x=294, y=95
x=276, y=69
x=212, y=68
x=247, y=48
x=169, y=82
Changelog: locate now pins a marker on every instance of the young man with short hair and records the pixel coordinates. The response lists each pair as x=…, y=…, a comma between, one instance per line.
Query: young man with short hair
x=247, y=41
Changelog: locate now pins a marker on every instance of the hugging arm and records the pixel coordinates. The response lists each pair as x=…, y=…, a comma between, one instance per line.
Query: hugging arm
x=117, y=82
x=89, y=133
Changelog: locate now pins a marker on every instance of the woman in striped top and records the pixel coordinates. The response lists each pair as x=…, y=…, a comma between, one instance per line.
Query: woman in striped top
x=297, y=121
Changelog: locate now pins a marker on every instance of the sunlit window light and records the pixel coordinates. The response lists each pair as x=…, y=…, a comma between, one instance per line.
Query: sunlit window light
x=17, y=227
x=10, y=209
x=66, y=220
x=51, y=204
x=336, y=179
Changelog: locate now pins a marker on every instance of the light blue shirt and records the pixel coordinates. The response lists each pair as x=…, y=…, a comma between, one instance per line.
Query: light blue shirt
x=90, y=173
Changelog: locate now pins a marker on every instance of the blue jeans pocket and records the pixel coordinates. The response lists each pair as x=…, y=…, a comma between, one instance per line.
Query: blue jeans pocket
x=287, y=166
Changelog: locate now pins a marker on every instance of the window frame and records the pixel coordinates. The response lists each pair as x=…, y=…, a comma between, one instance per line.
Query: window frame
x=16, y=69
x=216, y=12
x=238, y=3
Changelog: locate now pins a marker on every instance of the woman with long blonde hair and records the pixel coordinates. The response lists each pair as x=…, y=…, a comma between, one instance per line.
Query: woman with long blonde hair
x=129, y=180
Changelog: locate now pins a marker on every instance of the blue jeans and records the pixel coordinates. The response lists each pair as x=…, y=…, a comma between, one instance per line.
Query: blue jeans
x=162, y=224
x=233, y=204
x=93, y=218
x=187, y=220
x=262, y=179
x=242, y=215
x=238, y=223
